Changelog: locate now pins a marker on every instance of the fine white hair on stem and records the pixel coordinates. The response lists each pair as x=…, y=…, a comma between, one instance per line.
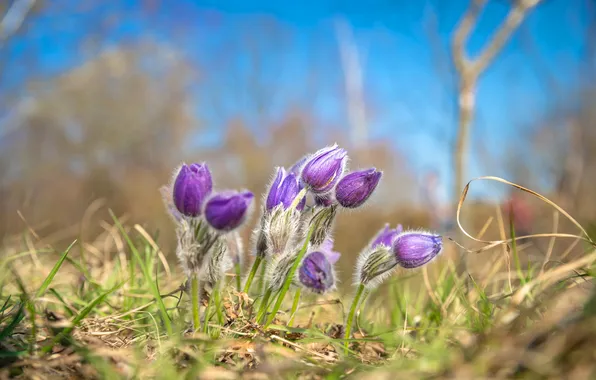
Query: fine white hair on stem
x=218, y=264
x=374, y=265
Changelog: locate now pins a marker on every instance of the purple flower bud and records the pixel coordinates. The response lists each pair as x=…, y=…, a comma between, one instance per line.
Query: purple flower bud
x=192, y=185
x=316, y=272
x=283, y=190
x=322, y=171
x=414, y=249
x=386, y=236
x=227, y=210
x=356, y=187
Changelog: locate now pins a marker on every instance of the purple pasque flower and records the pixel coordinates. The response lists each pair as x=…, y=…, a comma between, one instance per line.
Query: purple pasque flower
x=283, y=190
x=356, y=187
x=192, y=186
x=227, y=210
x=386, y=236
x=414, y=249
x=323, y=169
x=327, y=249
x=316, y=272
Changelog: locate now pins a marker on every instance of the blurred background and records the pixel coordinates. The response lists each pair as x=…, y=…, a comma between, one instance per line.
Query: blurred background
x=101, y=100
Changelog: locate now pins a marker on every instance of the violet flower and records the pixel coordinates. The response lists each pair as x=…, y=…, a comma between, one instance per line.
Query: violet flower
x=283, y=190
x=414, y=249
x=355, y=188
x=323, y=169
x=192, y=186
x=227, y=210
x=316, y=273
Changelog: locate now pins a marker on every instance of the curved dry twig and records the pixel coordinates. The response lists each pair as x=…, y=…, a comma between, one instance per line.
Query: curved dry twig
x=494, y=243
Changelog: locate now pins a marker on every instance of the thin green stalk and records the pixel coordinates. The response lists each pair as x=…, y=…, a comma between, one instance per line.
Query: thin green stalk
x=194, y=291
x=207, y=316
x=238, y=270
x=251, y=275
x=288, y=281
x=264, y=306
x=350, y=320
x=294, y=306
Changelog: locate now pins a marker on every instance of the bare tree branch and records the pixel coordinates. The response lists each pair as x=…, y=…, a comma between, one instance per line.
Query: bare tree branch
x=14, y=18
x=468, y=72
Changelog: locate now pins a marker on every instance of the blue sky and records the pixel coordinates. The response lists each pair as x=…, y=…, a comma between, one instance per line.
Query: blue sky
x=408, y=94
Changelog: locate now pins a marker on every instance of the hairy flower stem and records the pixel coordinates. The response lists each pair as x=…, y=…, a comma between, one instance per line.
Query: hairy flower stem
x=289, y=278
x=251, y=275
x=238, y=271
x=264, y=306
x=194, y=293
x=350, y=320
x=294, y=307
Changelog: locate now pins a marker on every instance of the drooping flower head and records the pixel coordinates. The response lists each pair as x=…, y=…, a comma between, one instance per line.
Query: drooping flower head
x=316, y=273
x=414, y=249
x=355, y=188
x=386, y=236
x=323, y=169
x=283, y=190
x=227, y=210
x=192, y=185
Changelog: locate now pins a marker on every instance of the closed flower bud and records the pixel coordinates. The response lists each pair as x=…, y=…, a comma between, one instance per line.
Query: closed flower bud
x=316, y=273
x=281, y=230
x=283, y=190
x=218, y=263
x=374, y=265
x=278, y=269
x=356, y=187
x=193, y=243
x=414, y=249
x=192, y=185
x=321, y=223
x=386, y=236
x=323, y=169
x=227, y=210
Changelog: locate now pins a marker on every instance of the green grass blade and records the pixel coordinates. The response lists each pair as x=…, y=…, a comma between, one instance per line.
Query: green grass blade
x=147, y=274
x=54, y=271
x=81, y=315
x=7, y=331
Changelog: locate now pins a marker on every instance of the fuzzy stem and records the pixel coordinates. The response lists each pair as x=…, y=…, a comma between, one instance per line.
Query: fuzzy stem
x=294, y=306
x=264, y=306
x=350, y=320
x=194, y=292
x=251, y=275
x=238, y=270
x=289, y=278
